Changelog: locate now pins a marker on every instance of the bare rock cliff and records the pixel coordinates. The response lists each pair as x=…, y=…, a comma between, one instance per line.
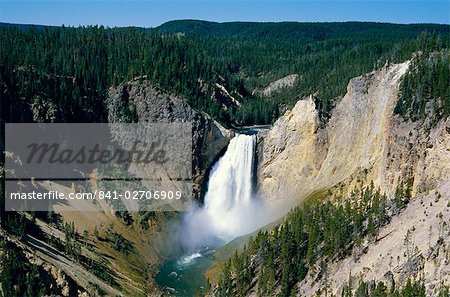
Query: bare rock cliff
x=297, y=152
x=278, y=85
x=364, y=142
x=140, y=101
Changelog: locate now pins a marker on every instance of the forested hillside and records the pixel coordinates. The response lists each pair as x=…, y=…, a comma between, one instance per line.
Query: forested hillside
x=324, y=55
x=425, y=90
x=311, y=237
x=63, y=73
x=308, y=238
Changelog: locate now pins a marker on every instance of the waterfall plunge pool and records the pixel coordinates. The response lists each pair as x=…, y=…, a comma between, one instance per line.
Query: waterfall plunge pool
x=183, y=276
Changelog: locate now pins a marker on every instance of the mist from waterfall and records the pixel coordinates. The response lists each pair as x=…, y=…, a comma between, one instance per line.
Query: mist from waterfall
x=230, y=208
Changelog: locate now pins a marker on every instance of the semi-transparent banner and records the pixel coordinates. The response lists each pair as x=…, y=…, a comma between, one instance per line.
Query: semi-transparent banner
x=98, y=167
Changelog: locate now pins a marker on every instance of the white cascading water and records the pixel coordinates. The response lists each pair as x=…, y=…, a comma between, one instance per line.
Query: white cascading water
x=230, y=186
x=229, y=209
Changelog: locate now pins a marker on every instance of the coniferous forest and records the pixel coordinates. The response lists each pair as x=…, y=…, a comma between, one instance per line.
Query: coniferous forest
x=321, y=230
x=426, y=89
x=64, y=73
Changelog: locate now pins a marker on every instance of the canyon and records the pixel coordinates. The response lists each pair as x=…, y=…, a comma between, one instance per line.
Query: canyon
x=363, y=142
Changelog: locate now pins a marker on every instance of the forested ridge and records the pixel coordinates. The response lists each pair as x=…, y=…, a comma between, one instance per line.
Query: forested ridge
x=63, y=73
x=324, y=55
x=22, y=278
x=425, y=89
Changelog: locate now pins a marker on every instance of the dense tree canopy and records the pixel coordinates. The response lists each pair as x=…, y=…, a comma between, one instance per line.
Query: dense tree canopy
x=325, y=55
x=309, y=237
x=425, y=89
x=64, y=74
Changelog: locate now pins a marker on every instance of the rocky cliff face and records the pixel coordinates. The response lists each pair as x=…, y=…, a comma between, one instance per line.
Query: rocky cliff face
x=140, y=101
x=297, y=152
x=291, y=153
x=365, y=142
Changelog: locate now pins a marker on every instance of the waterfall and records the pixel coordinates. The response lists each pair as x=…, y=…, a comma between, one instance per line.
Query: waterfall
x=230, y=185
x=229, y=209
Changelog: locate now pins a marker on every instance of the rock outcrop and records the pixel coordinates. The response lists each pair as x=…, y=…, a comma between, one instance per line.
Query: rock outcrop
x=365, y=142
x=222, y=95
x=298, y=153
x=140, y=101
x=391, y=258
x=278, y=85
x=106, y=270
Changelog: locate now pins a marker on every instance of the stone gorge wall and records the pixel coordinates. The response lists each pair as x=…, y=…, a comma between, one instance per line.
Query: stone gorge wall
x=140, y=101
x=365, y=141
x=299, y=157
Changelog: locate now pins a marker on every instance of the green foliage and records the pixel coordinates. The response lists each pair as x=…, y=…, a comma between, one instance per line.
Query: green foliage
x=411, y=289
x=320, y=230
x=225, y=282
x=362, y=290
x=380, y=290
x=64, y=74
x=72, y=244
x=121, y=244
x=52, y=218
x=444, y=292
x=425, y=89
x=101, y=270
x=20, y=277
x=402, y=194
x=125, y=216
x=19, y=225
x=325, y=55
x=145, y=217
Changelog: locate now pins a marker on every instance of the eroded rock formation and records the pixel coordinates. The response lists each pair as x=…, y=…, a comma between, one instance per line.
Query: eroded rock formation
x=365, y=142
